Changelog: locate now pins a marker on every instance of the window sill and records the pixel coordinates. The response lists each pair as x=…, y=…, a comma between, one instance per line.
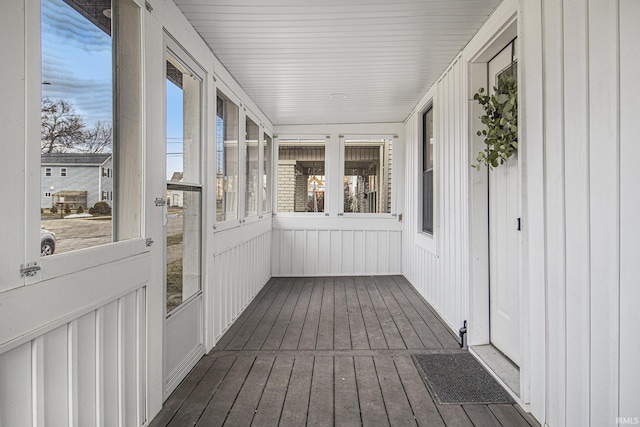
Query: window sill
x=71, y=262
x=427, y=242
x=226, y=225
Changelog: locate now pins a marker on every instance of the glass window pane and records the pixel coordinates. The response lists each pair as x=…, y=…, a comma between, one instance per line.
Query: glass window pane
x=77, y=118
x=367, y=176
x=227, y=132
x=251, y=168
x=427, y=171
x=266, y=179
x=301, y=176
x=183, y=123
x=183, y=244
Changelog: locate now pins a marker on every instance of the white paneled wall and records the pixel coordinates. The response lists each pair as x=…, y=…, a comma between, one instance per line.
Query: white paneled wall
x=335, y=252
x=579, y=106
x=90, y=371
x=438, y=266
x=240, y=271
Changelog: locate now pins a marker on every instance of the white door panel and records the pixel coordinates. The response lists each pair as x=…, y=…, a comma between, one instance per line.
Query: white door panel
x=504, y=248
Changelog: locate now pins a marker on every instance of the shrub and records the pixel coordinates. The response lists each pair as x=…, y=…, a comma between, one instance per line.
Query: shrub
x=102, y=208
x=80, y=210
x=67, y=209
x=53, y=210
x=92, y=211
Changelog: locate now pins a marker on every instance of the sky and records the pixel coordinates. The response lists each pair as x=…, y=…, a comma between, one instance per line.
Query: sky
x=77, y=65
x=76, y=62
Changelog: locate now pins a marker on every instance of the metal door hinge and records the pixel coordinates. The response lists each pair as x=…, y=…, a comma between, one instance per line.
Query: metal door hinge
x=519, y=224
x=29, y=270
x=160, y=201
x=149, y=241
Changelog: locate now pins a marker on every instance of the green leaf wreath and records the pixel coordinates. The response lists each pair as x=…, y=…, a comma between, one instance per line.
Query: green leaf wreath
x=501, y=121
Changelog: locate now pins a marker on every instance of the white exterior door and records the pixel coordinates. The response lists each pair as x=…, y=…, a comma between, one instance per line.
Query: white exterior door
x=184, y=324
x=504, y=245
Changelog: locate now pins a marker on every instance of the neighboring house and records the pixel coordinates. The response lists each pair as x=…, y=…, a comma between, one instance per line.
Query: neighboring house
x=76, y=179
x=174, y=197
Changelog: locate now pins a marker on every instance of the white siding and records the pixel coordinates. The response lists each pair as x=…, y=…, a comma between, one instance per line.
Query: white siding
x=89, y=371
x=332, y=251
x=578, y=120
x=629, y=209
x=438, y=267
x=241, y=267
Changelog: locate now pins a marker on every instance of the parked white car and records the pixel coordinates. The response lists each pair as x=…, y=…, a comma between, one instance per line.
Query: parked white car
x=47, y=242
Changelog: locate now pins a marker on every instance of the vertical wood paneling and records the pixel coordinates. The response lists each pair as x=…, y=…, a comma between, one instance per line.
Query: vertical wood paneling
x=85, y=372
x=338, y=252
x=555, y=225
x=128, y=352
x=576, y=198
x=443, y=278
x=604, y=208
x=579, y=111
x=55, y=377
x=15, y=387
x=84, y=358
x=357, y=247
x=335, y=267
x=108, y=365
x=629, y=206
x=240, y=272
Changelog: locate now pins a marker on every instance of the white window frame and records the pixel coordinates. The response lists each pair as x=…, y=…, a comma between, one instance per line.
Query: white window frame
x=61, y=264
x=328, y=179
x=394, y=175
x=248, y=114
x=235, y=222
x=47, y=171
x=270, y=191
x=63, y=172
x=426, y=241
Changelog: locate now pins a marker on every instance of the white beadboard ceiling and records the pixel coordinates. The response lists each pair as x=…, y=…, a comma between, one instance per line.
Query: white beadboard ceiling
x=291, y=55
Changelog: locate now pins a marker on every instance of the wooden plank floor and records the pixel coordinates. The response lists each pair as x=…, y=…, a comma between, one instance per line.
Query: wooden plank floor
x=327, y=351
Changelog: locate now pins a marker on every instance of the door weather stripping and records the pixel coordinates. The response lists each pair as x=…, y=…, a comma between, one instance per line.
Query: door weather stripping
x=29, y=270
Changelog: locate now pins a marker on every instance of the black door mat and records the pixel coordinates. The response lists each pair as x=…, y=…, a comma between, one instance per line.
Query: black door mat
x=459, y=378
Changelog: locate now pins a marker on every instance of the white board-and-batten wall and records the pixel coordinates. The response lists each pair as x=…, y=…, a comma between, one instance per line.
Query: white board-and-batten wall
x=580, y=287
x=81, y=343
x=333, y=243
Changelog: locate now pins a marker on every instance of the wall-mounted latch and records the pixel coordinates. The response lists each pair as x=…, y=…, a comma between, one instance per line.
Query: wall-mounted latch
x=148, y=6
x=149, y=241
x=29, y=270
x=160, y=201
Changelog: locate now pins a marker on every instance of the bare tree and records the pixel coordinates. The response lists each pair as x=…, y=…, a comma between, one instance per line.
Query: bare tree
x=97, y=139
x=62, y=130
x=61, y=127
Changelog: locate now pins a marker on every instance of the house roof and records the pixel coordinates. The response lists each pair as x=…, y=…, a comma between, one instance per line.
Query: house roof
x=74, y=158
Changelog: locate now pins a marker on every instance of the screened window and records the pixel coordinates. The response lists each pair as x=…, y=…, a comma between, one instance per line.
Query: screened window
x=427, y=171
x=251, y=168
x=301, y=175
x=80, y=108
x=267, y=146
x=227, y=133
x=367, y=176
